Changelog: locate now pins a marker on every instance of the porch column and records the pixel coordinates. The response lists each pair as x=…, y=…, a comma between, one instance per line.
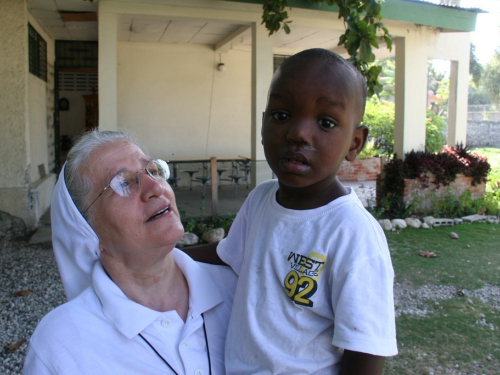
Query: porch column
x=108, y=110
x=262, y=72
x=457, y=102
x=410, y=94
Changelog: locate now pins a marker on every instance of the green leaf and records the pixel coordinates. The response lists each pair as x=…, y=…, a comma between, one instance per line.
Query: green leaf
x=342, y=39
x=373, y=42
x=362, y=26
x=352, y=26
x=365, y=52
x=388, y=42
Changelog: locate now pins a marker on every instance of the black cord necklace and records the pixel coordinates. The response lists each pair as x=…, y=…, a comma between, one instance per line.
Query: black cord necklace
x=168, y=364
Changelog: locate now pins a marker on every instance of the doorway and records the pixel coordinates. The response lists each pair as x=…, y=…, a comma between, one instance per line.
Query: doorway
x=76, y=94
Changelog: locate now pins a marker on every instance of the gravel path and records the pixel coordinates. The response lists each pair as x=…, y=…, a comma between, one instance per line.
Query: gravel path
x=411, y=301
x=24, y=267
x=31, y=270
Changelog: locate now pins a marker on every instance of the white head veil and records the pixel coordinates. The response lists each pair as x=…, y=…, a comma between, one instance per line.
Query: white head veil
x=76, y=246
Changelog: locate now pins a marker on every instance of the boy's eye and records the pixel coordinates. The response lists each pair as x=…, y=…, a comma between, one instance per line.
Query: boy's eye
x=280, y=116
x=326, y=123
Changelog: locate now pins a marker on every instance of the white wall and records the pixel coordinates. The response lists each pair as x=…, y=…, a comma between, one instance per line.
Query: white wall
x=179, y=105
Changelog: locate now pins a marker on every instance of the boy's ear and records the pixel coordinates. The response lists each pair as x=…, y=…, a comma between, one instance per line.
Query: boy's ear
x=357, y=143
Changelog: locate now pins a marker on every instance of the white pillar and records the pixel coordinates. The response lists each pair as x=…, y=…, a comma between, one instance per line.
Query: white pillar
x=410, y=94
x=108, y=110
x=262, y=72
x=457, y=102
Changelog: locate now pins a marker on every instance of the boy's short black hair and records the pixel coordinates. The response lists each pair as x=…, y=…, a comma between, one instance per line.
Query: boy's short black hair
x=335, y=60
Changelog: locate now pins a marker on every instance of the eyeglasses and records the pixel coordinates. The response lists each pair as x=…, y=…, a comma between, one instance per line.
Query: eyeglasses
x=127, y=183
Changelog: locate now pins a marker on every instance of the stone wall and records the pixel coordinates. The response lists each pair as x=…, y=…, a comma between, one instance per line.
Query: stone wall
x=360, y=170
x=483, y=133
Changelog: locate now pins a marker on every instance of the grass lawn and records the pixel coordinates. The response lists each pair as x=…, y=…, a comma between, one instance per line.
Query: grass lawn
x=460, y=333
x=493, y=156
x=469, y=262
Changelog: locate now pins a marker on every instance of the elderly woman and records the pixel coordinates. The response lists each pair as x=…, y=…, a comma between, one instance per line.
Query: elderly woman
x=146, y=307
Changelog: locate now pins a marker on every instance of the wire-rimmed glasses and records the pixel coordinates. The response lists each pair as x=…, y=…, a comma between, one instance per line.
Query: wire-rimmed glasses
x=128, y=183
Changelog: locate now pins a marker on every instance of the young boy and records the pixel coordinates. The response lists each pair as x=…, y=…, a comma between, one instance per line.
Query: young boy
x=314, y=294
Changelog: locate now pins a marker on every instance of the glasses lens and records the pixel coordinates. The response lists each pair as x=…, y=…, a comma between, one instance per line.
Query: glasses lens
x=125, y=183
x=158, y=169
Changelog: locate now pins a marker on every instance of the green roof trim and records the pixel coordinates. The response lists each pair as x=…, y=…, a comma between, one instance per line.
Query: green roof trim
x=422, y=13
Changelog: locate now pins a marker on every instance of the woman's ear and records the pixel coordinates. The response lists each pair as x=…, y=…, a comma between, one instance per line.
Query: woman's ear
x=358, y=142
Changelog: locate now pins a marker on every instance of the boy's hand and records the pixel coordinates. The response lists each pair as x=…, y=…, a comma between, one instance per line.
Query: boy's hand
x=357, y=363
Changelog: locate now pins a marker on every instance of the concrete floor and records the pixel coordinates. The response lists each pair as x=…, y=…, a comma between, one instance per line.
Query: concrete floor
x=192, y=204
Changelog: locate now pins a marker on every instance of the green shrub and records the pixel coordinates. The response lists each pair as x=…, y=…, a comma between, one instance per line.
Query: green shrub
x=199, y=226
x=493, y=183
x=369, y=151
x=444, y=166
x=491, y=202
x=435, y=127
x=449, y=205
x=379, y=117
x=443, y=205
x=492, y=198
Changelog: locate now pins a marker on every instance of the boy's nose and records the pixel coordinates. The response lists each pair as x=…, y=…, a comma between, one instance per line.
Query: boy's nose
x=299, y=132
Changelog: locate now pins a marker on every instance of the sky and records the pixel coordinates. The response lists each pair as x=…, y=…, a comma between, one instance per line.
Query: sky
x=486, y=37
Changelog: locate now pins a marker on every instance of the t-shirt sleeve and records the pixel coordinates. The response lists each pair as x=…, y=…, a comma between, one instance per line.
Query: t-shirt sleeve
x=363, y=304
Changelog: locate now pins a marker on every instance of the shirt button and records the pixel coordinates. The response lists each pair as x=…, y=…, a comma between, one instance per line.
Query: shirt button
x=185, y=344
x=198, y=372
x=165, y=322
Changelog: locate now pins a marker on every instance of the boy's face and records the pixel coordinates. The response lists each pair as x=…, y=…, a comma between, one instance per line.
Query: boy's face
x=310, y=124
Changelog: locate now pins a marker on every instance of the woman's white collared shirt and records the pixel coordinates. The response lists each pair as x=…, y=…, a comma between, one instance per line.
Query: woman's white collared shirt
x=98, y=332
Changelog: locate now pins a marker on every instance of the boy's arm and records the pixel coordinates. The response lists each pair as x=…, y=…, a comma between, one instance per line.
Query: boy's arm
x=206, y=253
x=357, y=363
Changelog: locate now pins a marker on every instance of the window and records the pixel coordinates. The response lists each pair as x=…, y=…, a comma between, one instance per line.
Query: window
x=78, y=55
x=37, y=54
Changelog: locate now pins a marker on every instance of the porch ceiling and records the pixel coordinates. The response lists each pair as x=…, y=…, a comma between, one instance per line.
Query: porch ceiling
x=221, y=35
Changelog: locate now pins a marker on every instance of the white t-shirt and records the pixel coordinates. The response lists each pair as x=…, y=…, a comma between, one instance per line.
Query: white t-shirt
x=311, y=283
x=98, y=331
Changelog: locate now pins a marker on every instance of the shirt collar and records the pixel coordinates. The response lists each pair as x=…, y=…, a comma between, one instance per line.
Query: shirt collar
x=131, y=318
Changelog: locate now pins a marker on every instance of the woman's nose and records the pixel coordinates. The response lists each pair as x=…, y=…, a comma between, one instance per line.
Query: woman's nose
x=151, y=187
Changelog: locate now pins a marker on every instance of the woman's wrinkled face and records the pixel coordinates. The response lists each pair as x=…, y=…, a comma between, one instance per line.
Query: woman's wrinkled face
x=139, y=227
